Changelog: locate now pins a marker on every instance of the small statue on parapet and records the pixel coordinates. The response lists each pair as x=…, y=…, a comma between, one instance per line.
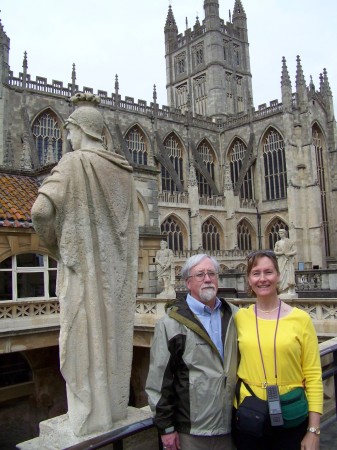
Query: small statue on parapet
x=285, y=251
x=165, y=270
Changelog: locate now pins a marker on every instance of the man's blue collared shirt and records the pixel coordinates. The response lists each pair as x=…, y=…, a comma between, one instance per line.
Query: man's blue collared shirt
x=211, y=319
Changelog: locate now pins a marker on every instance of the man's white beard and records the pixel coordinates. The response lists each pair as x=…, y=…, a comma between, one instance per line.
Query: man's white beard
x=207, y=294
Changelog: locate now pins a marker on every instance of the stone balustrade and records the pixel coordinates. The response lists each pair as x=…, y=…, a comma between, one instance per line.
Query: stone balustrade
x=41, y=314
x=60, y=89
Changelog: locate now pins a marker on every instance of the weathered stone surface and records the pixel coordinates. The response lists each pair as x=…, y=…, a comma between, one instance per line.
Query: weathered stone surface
x=86, y=215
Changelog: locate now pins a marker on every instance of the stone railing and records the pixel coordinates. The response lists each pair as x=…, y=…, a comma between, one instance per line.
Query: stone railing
x=248, y=203
x=268, y=111
x=214, y=201
x=221, y=255
x=29, y=308
x=233, y=122
x=44, y=313
x=263, y=111
x=308, y=281
x=40, y=84
x=315, y=280
x=28, y=314
x=173, y=197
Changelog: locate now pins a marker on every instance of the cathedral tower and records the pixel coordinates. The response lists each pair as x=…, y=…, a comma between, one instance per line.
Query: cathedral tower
x=208, y=67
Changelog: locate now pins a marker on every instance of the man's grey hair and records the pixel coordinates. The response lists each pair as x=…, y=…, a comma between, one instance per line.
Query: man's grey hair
x=194, y=261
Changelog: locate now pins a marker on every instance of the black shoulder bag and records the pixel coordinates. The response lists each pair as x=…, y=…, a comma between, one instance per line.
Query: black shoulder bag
x=252, y=415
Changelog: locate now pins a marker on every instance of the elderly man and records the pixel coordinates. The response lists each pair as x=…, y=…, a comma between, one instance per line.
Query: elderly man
x=193, y=364
x=85, y=213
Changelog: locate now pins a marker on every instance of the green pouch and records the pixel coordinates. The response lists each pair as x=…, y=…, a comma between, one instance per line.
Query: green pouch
x=294, y=405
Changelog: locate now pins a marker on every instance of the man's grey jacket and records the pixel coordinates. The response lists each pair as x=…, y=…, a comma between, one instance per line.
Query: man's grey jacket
x=190, y=389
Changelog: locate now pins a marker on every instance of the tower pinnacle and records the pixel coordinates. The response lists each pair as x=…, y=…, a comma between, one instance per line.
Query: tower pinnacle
x=212, y=18
x=300, y=80
x=238, y=10
x=285, y=79
x=170, y=21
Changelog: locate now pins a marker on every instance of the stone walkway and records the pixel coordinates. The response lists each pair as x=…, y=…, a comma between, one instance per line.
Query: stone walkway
x=329, y=435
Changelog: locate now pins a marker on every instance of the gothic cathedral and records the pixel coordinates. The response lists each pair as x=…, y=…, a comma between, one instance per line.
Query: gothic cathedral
x=213, y=172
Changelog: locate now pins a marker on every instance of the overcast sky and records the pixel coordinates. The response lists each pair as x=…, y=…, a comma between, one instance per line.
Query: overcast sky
x=126, y=37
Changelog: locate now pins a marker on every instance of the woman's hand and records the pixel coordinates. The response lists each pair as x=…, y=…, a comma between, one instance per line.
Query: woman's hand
x=310, y=442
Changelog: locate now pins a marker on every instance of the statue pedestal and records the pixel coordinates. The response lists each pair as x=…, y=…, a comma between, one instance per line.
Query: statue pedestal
x=56, y=433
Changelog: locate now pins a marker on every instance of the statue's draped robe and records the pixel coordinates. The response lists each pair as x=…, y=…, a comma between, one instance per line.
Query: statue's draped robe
x=96, y=228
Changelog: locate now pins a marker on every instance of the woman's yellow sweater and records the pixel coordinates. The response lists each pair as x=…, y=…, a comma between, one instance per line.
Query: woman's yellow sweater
x=297, y=355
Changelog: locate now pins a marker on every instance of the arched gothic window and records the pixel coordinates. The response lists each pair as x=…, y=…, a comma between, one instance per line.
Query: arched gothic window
x=236, y=156
x=175, y=152
x=210, y=236
x=200, y=95
x=48, y=137
x=273, y=236
x=136, y=143
x=207, y=156
x=275, y=170
x=173, y=230
x=317, y=141
x=182, y=97
x=244, y=236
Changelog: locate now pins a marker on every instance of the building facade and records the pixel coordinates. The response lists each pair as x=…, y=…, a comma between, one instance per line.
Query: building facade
x=212, y=171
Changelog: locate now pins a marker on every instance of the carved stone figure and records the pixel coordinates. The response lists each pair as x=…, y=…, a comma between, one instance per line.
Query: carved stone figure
x=285, y=250
x=165, y=270
x=85, y=213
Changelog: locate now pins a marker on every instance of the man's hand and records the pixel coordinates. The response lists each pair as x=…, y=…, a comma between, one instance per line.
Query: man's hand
x=170, y=441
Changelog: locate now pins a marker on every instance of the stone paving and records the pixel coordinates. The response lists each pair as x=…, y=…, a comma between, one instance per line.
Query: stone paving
x=328, y=438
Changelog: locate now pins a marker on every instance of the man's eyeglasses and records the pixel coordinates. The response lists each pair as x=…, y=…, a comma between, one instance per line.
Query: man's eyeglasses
x=200, y=276
x=269, y=253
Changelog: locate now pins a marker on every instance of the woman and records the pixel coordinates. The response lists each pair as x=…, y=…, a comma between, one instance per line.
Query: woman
x=278, y=346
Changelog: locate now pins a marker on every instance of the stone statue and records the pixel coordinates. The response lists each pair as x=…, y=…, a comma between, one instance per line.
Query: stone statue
x=165, y=270
x=285, y=250
x=86, y=215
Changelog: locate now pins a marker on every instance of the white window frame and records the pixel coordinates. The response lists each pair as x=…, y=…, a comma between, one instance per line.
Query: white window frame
x=15, y=270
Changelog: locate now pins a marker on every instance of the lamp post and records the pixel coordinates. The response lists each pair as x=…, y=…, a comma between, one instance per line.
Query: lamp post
x=258, y=217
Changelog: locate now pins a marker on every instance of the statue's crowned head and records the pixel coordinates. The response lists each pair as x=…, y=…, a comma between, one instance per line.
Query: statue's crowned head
x=86, y=116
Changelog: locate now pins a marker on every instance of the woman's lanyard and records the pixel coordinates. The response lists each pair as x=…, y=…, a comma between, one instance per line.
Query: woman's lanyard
x=264, y=385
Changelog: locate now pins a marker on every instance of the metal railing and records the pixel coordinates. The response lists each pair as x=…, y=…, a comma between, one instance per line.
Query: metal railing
x=330, y=370
x=116, y=437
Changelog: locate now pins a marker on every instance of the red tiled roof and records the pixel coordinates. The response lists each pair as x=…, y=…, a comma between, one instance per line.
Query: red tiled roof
x=17, y=195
